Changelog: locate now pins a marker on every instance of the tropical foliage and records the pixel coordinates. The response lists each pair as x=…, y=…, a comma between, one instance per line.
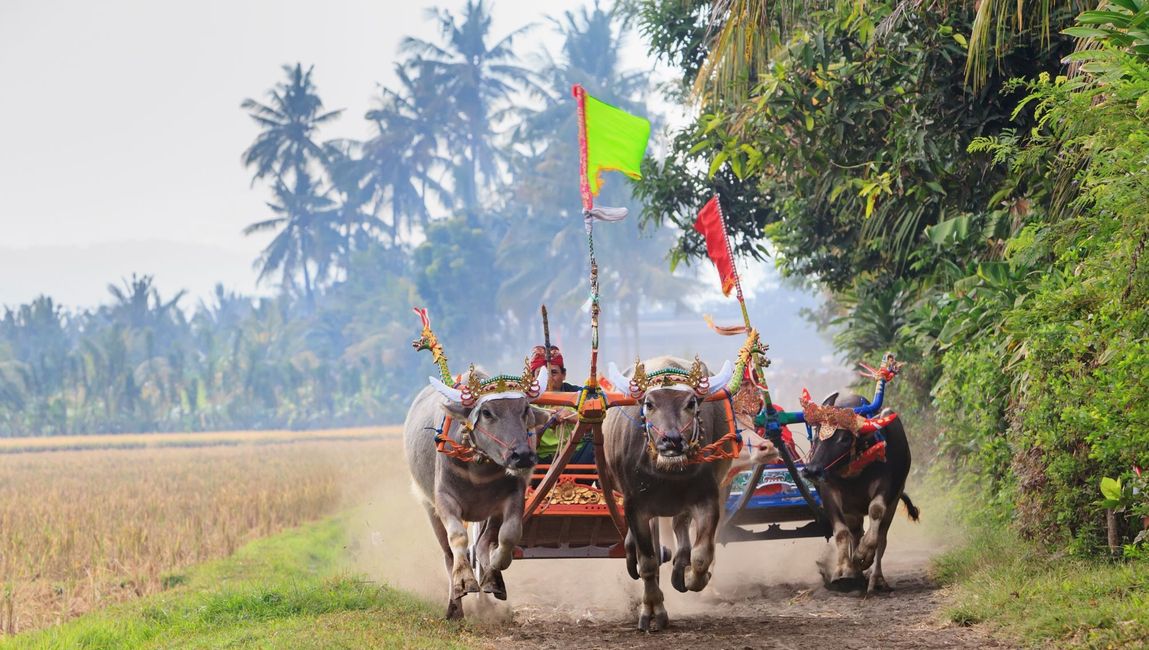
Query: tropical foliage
x=984, y=221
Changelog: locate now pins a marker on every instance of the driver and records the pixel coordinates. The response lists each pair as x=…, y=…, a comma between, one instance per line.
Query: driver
x=548, y=440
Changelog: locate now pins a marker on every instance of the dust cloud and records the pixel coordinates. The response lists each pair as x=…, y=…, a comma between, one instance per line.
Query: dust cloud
x=391, y=543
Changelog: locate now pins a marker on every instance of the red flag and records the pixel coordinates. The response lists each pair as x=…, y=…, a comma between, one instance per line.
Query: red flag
x=709, y=223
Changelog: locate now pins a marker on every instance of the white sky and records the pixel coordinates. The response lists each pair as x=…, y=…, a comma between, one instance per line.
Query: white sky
x=121, y=132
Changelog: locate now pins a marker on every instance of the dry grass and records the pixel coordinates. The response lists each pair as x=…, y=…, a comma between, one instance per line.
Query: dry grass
x=82, y=529
x=205, y=439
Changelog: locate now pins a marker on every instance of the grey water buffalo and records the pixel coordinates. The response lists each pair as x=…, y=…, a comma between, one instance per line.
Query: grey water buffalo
x=484, y=481
x=756, y=449
x=852, y=493
x=649, y=449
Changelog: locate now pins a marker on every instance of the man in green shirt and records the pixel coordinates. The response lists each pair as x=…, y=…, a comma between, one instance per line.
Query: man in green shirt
x=549, y=439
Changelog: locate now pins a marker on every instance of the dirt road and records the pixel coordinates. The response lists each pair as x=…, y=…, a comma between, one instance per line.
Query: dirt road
x=762, y=595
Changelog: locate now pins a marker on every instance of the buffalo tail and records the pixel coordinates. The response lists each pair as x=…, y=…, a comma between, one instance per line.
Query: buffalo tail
x=911, y=509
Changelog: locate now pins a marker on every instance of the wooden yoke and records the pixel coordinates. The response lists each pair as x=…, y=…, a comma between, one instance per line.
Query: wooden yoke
x=592, y=405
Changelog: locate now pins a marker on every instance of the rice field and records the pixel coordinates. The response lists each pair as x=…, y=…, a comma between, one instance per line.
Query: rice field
x=81, y=528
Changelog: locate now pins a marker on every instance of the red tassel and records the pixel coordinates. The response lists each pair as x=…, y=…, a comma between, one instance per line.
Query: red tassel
x=876, y=453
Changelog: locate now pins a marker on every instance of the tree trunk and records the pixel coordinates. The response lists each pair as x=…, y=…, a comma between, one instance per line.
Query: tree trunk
x=1111, y=526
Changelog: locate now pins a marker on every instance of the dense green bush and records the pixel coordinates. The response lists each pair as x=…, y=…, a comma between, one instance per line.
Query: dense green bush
x=992, y=235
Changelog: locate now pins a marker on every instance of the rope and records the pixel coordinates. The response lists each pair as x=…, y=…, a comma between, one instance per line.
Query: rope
x=727, y=447
x=588, y=223
x=716, y=451
x=465, y=450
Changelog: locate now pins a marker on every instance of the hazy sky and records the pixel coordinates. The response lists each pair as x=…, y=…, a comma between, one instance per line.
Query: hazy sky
x=121, y=132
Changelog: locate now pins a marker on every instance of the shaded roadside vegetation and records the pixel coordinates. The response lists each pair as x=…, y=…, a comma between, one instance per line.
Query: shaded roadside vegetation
x=965, y=198
x=464, y=200
x=999, y=581
x=288, y=590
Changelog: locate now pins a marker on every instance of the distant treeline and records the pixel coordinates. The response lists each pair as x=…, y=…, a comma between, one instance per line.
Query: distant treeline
x=474, y=156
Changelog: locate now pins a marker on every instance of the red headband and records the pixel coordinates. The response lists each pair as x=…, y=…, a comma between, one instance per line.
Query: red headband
x=538, y=361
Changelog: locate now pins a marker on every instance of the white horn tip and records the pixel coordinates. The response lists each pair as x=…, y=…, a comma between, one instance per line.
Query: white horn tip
x=719, y=381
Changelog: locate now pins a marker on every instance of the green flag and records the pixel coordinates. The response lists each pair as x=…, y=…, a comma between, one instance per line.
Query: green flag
x=611, y=140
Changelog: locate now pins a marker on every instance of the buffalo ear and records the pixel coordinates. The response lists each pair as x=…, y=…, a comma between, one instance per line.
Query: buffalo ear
x=538, y=417
x=830, y=399
x=456, y=410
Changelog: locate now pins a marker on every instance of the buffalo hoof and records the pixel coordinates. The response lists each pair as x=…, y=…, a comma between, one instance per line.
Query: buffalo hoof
x=632, y=565
x=493, y=584
x=847, y=584
x=878, y=585
x=864, y=556
x=653, y=623
x=678, y=577
x=631, y=558
x=455, y=610
x=464, y=586
x=697, y=581
x=661, y=620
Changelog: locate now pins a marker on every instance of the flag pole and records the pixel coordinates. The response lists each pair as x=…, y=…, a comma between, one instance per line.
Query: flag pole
x=588, y=223
x=733, y=266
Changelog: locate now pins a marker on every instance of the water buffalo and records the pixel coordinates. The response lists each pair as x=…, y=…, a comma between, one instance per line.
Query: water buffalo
x=756, y=450
x=488, y=487
x=874, y=491
x=649, y=449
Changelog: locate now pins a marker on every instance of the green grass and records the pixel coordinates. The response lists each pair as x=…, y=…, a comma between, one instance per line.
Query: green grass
x=287, y=591
x=1045, y=599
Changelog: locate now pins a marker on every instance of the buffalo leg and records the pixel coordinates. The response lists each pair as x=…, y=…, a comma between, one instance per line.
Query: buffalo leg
x=454, y=605
x=509, y=533
x=651, y=613
x=844, y=575
x=877, y=580
x=462, y=575
x=681, y=551
x=854, y=523
x=491, y=579
x=631, y=555
x=706, y=516
x=868, y=547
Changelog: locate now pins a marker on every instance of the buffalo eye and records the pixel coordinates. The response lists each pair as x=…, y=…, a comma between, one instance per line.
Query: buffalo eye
x=486, y=413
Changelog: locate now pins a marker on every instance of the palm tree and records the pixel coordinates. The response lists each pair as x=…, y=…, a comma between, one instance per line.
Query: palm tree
x=286, y=149
x=400, y=163
x=633, y=266
x=477, y=80
x=308, y=238
x=741, y=35
x=138, y=304
x=354, y=194
x=286, y=146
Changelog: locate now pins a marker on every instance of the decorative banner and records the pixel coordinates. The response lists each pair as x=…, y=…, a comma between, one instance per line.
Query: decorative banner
x=610, y=139
x=710, y=224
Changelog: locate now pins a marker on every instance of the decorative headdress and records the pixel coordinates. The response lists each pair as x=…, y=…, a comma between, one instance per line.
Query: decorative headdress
x=673, y=378
x=832, y=418
x=886, y=371
x=476, y=390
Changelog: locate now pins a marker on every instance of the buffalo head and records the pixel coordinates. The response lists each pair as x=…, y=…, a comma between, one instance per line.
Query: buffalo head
x=501, y=424
x=832, y=446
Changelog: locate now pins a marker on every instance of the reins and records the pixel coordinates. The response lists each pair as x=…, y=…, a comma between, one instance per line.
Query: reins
x=860, y=460
x=726, y=447
x=466, y=450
